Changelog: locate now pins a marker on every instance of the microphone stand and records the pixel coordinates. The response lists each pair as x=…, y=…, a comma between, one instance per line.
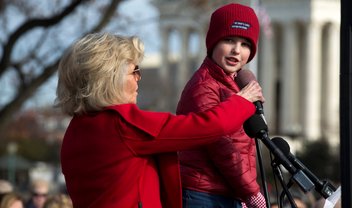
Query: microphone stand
x=262, y=173
x=256, y=127
x=278, y=173
x=297, y=175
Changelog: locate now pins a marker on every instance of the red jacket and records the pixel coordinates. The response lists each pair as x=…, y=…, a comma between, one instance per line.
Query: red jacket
x=125, y=157
x=228, y=166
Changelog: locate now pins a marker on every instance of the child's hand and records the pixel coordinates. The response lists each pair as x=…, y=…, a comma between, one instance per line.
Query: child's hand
x=252, y=92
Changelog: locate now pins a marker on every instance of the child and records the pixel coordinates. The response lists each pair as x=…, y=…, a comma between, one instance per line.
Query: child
x=222, y=174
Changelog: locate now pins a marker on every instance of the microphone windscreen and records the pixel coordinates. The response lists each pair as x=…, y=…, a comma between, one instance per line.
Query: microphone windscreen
x=254, y=126
x=244, y=76
x=282, y=145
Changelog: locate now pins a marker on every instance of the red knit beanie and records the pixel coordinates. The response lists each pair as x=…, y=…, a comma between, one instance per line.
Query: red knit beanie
x=233, y=20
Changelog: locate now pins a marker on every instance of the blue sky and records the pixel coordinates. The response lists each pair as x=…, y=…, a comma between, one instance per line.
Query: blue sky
x=145, y=17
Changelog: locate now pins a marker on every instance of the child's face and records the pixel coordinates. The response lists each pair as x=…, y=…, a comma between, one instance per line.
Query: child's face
x=231, y=53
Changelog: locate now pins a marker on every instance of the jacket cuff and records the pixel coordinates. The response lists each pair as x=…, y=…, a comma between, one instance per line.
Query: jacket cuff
x=255, y=201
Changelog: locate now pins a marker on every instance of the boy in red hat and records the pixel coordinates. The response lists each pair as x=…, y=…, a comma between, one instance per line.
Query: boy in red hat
x=222, y=174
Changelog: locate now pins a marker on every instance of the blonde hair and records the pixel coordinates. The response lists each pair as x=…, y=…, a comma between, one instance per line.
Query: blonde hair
x=91, y=72
x=58, y=201
x=40, y=185
x=9, y=199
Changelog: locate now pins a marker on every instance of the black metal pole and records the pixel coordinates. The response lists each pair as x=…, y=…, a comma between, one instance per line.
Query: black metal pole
x=346, y=102
x=262, y=173
x=285, y=191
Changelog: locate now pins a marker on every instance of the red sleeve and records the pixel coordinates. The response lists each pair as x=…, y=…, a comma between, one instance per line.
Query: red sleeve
x=150, y=132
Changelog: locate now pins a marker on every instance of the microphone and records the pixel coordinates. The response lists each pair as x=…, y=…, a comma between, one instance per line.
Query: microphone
x=255, y=127
x=245, y=76
x=323, y=187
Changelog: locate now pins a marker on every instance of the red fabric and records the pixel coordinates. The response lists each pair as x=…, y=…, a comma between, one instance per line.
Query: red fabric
x=123, y=156
x=227, y=166
x=255, y=201
x=233, y=20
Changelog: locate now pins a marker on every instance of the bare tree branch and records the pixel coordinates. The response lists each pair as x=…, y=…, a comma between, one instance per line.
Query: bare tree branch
x=31, y=24
x=107, y=16
x=27, y=90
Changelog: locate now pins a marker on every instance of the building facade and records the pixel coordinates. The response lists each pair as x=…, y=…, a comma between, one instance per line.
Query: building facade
x=297, y=63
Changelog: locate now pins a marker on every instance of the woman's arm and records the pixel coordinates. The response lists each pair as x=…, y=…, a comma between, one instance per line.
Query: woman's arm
x=150, y=132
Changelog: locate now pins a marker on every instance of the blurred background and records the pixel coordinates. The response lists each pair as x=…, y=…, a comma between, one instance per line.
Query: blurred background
x=297, y=65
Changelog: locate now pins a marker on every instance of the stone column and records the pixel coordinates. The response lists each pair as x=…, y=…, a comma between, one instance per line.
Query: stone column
x=267, y=78
x=331, y=67
x=202, y=48
x=164, y=70
x=183, y=69
x=289, y=98
x=311, y=74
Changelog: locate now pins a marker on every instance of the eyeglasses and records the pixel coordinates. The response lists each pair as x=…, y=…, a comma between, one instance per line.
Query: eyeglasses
x=137, y=73
x=39, y=194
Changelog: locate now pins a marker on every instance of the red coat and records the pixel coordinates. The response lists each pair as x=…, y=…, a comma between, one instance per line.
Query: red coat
x=123, y=156
x=228, y=166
